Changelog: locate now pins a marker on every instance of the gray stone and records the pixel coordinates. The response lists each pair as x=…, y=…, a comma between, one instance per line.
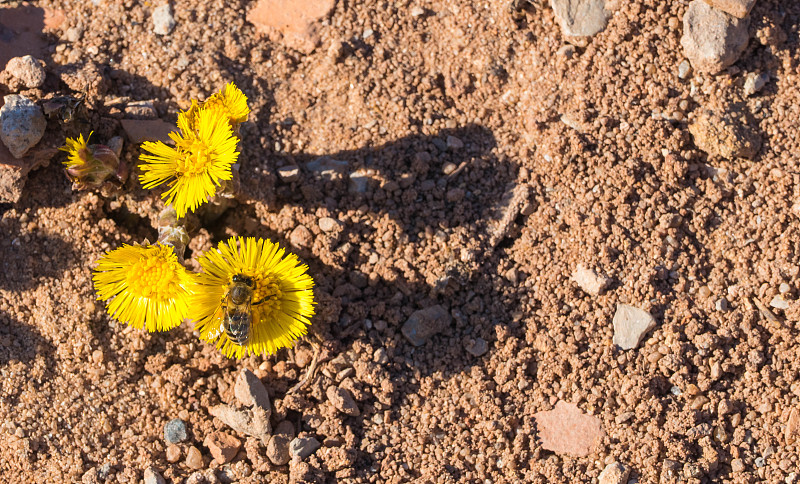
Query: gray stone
x=755, y=82
x=737, y=8
x=27, y=70
x=151, y=476
x=358, y=182
x=614, y=473
x=423, y=324
x=175, y=431
x=476, y=347
x=22, y=124
x=326, y=167
x=250, y=392
x=343, y=401
x=289, y=173
x=454, y=143
x=712, y=40
x=590, y=281
x=581, y=18
x=630, y=326
x=303, y=447
x=163, y=21
x=327, y=224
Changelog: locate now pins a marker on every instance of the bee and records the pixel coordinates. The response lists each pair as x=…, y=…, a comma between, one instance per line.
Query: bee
x=237, y=317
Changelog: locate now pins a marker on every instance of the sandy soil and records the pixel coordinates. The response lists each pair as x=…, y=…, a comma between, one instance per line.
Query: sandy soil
x=700, y=241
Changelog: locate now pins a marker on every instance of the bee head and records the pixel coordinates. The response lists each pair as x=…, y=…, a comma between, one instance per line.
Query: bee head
x=243, y=279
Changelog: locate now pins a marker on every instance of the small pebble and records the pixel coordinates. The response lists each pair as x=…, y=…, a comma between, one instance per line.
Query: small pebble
x=454, y=143
x=194, y=459
x=684, y=69
x=343, y=401
x=173, y=453
x=476, y=347
x=778, y=302
x=163, y=21
x=175, y=431
x=327, y=224
x=223, y=446
x=278, y=449
x=151, y=476
x=289, y=173
x=303, y=447
x=753, y=83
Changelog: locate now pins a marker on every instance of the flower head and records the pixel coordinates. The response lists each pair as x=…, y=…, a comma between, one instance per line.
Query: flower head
x=281, y=304
x=232, y=101
x=88, y=166
x=202, y=157
x=149, y=287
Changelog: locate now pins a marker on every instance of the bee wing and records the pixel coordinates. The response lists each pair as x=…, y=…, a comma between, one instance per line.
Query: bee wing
x=217, y=320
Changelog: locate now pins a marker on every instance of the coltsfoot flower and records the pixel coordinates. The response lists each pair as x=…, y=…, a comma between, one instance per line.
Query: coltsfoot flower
x=194, y=169
x=144, y=286
x=251, y=298
x=232, y=101
x=89, y=166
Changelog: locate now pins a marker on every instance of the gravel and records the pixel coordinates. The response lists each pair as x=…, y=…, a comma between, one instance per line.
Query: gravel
x=175, y=431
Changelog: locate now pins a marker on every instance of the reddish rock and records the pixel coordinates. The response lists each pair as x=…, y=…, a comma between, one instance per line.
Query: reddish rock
x=567, y=430
x=223, y=447
x=295, y=24
x=792, y=427
x=737, y=8
x=139, y=130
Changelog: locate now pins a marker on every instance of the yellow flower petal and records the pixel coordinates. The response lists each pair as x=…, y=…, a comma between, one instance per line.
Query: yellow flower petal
x=232, y=101
x=283, y=293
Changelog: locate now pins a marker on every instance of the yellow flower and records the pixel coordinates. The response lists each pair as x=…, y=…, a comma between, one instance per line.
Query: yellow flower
x=149, y=287
x=193, y=169
x=282, y=301
x=77, y=151
x=232, y=101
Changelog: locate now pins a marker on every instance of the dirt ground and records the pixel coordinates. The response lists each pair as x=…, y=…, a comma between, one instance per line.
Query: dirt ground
x=496, y=162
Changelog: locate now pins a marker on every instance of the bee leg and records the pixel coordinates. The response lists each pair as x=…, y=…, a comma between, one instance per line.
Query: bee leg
x=256, y=303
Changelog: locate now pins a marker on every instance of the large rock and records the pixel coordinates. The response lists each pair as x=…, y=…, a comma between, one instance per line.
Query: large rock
x=630, y=326
x=27, y=71
x=22, y=124
x=567, y=430
x=737, y=8
x=423, y=324
x=712, y=40
x=295, y=24
x=581, y=18
x=724, y=134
